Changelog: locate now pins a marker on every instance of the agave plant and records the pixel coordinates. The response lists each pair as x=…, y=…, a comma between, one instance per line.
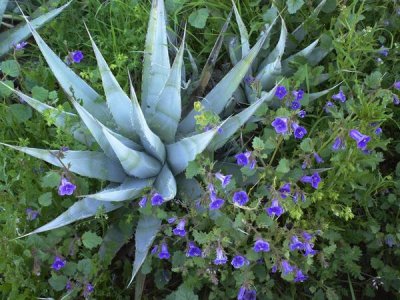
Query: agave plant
x=276, y=62
x=142, y=146
x=10, y=38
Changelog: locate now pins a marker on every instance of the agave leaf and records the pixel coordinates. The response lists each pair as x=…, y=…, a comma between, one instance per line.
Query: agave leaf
x=96, y=129
x=118, y=102
x=217, y=98
x=165, y=183
x=156, y=68
x=195, y=69
x=128, y=190
x=11, y=37
x=146, y=231
x=135, y=163
x=279, y=49
x=244, y=35
x=315, y=96
x=86, y=163
x=150, y=141
x=306, y=52
x=317, y=55
x=3, y=6
x=71, y=83
x=164, y=122
x=116, y=236
x=233, y=124
x=81, y=209
x=270, y=72
x=61, y=118
x=232, y=49
x=186, y=150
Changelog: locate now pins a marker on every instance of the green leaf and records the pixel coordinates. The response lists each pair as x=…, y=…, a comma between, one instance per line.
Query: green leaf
x=58, y=282
x=91, y=240
x=283, y=166
x=146, y=231
x=183, y=293
x=193, y=169
x=258, y=144
x=294, y=5
x=21, y=113
x=199, y=17
x=85, y=266
x=4, y=91
x=45, y=199
x=51, y=180
x=10, y=68
x=373, y=80
x=306, y=145
x=40, y=93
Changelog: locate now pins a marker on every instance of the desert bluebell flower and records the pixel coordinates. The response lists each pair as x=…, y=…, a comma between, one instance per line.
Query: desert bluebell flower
x=318, y=158
x=224, y=179
x=275, y=209
x=286, y=267
x=261, y=246
x=361, y=139
x=314, y=180
x=298, y=131
x=308, y=250
x=302, y=114
x=157, y=199
x=339, y=96
x=66, y=187
x=300, y=277
x=396, y=100
x=180, y=228
x=295, y=105
x=338, y=144
x=193, y=250
x=396, y=85
x=280, y=92
x=143, y=202
x=221, y=258
x=164, y=253
x=76, y=56
x=58, y=263
x=240, y=198
x=20, y=45
x=295, y=244
x=285, y=190
x=31, y=214
x=298, y=95
x=239, y=261
x=280, y=125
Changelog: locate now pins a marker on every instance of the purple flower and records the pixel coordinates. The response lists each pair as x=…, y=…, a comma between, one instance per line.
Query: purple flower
x=221, y=258
x=193, y=250
x=314, y=180
x=298, y=95
x=243, y=159
x=68, y=286
x=300, y=277
x=240, y=198
x=396, y=85
x=285, y=190
x=378, y=131
x=58, y=263
x=318, y=158
x=296, y=244
x=280, y=125
x=31, y=214
x=302, y=114
x=286, y=267
x=275, y=209
x=306, y=236
x=295, y=105
x=224, y=179
x=143, y=202
x=20, y=45
x=164, y=253
x=280, y=92
x=89, y=288
x=360, y=138
x=389, y=240
x=215, y=203
x=171, y=220
x=261, y=246
x=249, y=80
x=298, y=131
x=295, y=197
x=384, y=51
x=239, y=261
x=154, y=250
x=339, y=96
x=245, y=294
x=308, y=250
x=76, y=56
x=338, y=144
x=328, y=105
x=396, y=100
x=274, y=269
x=66, y=187
x=157, y=199
x=180, y=228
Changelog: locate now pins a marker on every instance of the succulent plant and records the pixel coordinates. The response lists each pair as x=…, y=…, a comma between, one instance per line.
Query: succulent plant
x=11, y=38
x=142, y=147
x=276, y=62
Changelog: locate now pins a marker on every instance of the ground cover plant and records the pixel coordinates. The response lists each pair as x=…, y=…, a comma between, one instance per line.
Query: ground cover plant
x=301, y=202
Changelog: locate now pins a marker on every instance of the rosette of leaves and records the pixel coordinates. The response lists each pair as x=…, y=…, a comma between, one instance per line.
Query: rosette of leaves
x=276, y=62
x=9, y=38
x=143, y=147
